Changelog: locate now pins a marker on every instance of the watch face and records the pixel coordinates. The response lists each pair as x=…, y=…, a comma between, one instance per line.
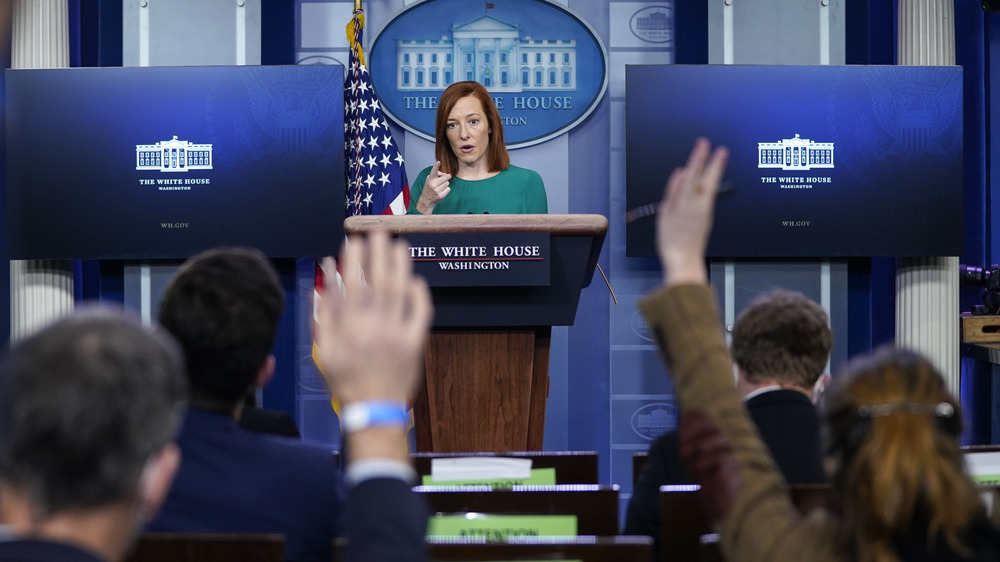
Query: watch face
x=354, y=417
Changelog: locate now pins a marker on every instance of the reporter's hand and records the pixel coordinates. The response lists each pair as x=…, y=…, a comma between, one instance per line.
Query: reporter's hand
x=684, y=217
x=437, y=186
x=370, y=339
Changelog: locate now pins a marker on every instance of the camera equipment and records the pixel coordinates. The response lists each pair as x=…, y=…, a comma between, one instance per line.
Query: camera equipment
x=989, y=280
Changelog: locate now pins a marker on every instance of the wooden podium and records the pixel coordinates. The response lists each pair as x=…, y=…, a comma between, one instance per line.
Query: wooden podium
x=487, y=361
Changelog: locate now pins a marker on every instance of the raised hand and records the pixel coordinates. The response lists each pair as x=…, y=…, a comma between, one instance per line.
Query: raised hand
x=436, y=187
x=371, y=338
x=684, y=217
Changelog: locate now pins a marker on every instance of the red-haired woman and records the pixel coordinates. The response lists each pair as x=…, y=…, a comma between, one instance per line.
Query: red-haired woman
x=473, y=173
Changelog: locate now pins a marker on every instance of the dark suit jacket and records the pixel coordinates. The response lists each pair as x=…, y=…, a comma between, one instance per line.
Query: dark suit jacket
x=233, y=481
x=386, y=521
x=37, y=550
x=788, y=423
x=274, y=422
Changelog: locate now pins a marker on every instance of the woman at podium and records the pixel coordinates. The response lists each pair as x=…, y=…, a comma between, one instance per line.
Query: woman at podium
x=473, y=173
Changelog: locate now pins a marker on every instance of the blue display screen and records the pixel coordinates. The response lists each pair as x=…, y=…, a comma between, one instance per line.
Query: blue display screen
x=825, y=161
x=163, y=162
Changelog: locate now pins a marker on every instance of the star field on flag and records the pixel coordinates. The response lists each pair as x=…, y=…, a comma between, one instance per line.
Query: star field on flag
x=376, y=178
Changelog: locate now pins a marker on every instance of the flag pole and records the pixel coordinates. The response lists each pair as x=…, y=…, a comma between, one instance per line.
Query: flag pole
x=357, y=5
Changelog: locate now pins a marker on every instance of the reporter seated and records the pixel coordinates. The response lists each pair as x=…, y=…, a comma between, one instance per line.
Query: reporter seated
x=223, y=306
x=89, y=407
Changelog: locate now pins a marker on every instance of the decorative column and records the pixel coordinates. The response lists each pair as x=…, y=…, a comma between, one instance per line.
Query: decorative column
x=927, y=306
x=40, y=290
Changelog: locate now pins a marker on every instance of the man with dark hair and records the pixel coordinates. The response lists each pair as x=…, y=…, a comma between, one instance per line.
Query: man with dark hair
x=89, y=407
x=223, y=307
x=780, y=346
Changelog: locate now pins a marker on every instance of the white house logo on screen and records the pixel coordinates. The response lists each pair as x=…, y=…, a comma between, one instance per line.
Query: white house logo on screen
x=651, y=420
x=795, y=154
x=653, y=24
x=173, y=156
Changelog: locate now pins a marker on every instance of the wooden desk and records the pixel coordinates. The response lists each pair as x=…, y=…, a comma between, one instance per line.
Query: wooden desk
x=585, y=549
x=595, y=507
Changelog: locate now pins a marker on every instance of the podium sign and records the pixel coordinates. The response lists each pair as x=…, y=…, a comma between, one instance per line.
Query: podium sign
x=481, y=259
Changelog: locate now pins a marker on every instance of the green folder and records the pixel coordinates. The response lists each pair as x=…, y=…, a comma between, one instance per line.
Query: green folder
x=539, y=477
x=987, y=479
x=498, y=527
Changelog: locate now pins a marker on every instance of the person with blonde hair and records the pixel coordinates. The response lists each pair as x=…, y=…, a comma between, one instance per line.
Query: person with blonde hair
x=473, y=173
x=899, y=489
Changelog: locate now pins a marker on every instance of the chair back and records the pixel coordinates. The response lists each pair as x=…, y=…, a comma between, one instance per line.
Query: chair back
x=639, y=459
x=198, y=547
x=687, y=533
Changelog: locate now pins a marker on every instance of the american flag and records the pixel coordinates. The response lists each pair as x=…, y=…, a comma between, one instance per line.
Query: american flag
x=376, y=178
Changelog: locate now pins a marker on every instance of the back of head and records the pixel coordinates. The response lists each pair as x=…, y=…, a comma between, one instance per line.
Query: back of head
x=782, y=335
x=223, y=307
x=497, y=157
x=84, y=403
x=892, y=432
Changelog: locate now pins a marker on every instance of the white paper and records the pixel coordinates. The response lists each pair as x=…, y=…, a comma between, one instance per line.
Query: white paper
x=983, y=464
x=479, y=468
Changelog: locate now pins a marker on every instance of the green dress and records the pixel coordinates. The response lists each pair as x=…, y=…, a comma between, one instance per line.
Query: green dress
x=513, y=191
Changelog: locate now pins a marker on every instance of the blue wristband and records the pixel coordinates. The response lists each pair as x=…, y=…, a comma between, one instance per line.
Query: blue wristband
x=362, y=415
